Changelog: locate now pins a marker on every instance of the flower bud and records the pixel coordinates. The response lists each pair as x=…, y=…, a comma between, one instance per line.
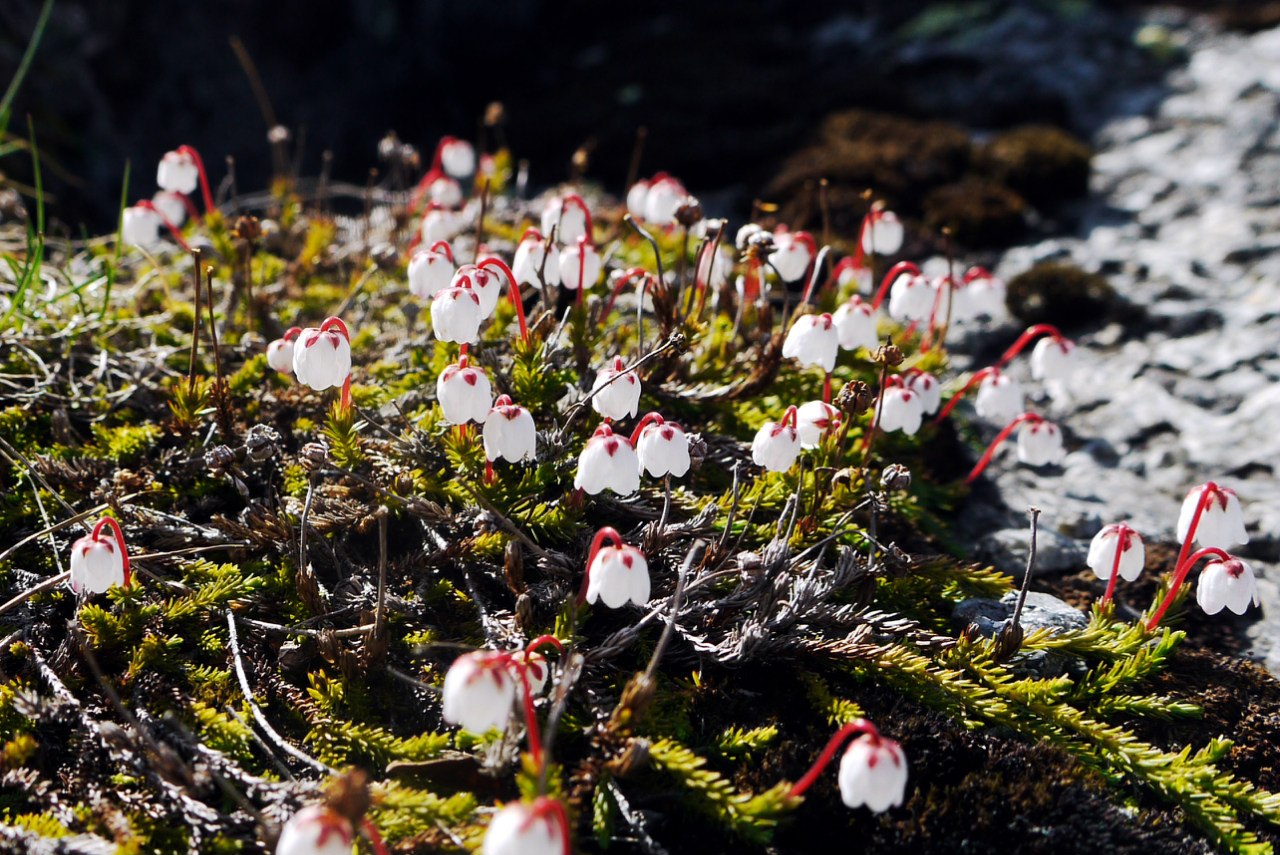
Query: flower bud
x=616, y=398
x=618, y=575
x=662, y=449
x=456, y=314
x=178, y=172
x=873, y=772
x=813, y=420
x=478, y=691
x=464, y=394
x=901, y=409
x=884, y=233
x=813, y=341
x=1110, y=540
x=1221, y=524
x=927, y=387
x=1040, y=444
x=316, y=830
x=855, y=322
x=525, y=829
x=607, y=462
x=430, y=271
x=911, y=298
x=1000, y=398
x=777, y=444
x=457, y=157
x=1227, y=584
x=792, y=254
x=895, y=477
x=529, y=257
x=509, y=432
x=580, y=266
x=322, y=357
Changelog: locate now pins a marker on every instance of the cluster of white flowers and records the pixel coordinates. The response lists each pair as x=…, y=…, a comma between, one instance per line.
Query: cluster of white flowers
x=1211, y=517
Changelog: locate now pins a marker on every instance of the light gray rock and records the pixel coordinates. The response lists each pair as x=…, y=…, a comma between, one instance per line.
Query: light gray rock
x=1041, y=611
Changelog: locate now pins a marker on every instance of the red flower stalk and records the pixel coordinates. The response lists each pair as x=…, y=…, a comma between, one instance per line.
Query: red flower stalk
x=1179, y=576
x=1025, y=418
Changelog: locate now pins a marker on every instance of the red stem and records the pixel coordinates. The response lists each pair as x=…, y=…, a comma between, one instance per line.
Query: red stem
x=530, y=717
x=204, y=178
x=933, y=311
x=291, y=333
x=1123, y=533
x=859, y=254
x=1026, y=338
x=542, y=641
x=513, y=293
x=1180, y=576
x=995, y=443
x=973, y=381
x=189, y=205
x=586, y=214
x=649, y=419
x=609, y=533
x=332, y=323
x=790, y=414
x=582, y=265
x=544, y=804
x=826, y=389
x=1207, y=494
x=623, y=280
x=148, y=205
x=119, y=538
x=890, y=277
x=443, y=246
x=375, y=839
x=824, y=759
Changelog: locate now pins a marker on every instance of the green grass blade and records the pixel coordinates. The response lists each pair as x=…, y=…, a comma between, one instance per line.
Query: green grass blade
x=6, y=103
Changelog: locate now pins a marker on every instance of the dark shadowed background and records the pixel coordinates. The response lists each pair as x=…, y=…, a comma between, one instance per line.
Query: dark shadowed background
x=727, y=90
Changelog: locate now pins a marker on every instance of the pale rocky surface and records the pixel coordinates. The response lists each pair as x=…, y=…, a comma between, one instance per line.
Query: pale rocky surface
x=1183, y=222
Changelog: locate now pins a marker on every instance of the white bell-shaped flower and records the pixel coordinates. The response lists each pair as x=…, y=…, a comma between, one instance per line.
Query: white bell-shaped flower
x=1000, y=398
x=813, y=340
x=1221, y=523
x=525, y=829
x=322, y=356
x=873, y=772
x=813, y=420
x=713, y=270
x=985, y=293
x=663, y=199
x=171, y=206
x=637, y=195
x=616, y=399
x=928, y=388
x=456, y=314
x=911, y=298
x=607, y=462
x=883, y=234
x=464, y=394
x=661, y=447
x=445, y=192
x=580, y=263
x=280, y=351
x=178, y=172
x=1054, y=359
x=457, y=157
x=140, y=226
x=97, y=563
x=316, y=830
x=1040, y=443
x=618, y=575
x=745, y=235
x=850, y=273
x=487, y=284
x=529, y=260
x=1227, y=584
x=478, y=691
x=793, y=253
x=777, y=444
x=439, y=224
x=569, y=217
x=1117, y=547
x=855, y=321
x=536, y=670
x=509, y=432
x=901, y=409
x=430, y=270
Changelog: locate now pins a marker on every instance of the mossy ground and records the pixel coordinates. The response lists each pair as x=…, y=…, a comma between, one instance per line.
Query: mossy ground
x=815, y=595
